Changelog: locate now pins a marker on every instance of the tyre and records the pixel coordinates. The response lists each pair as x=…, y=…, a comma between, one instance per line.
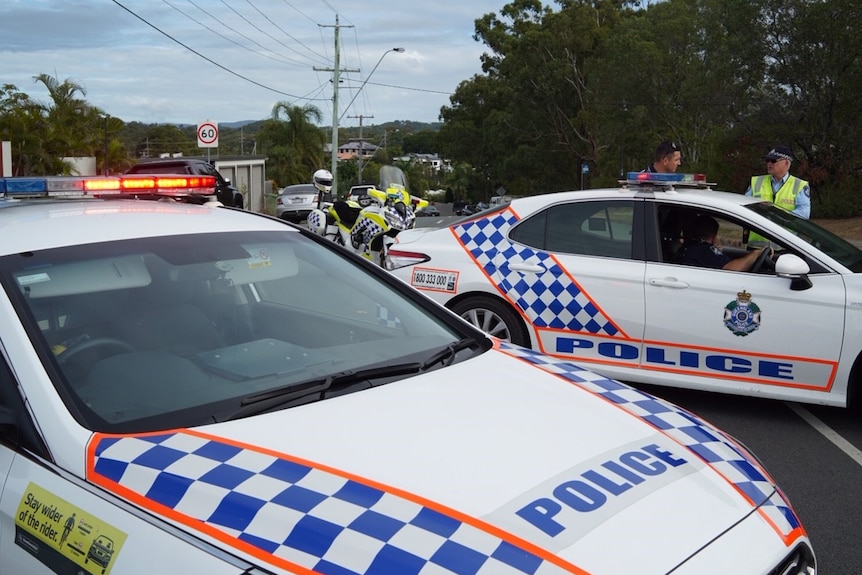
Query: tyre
x=238, y=201
x=494, y=318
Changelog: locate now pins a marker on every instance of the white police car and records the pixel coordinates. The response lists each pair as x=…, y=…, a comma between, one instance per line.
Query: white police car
x=188, y=389
x=598, y=276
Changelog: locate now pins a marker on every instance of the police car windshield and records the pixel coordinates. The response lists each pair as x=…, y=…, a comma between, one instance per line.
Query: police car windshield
x=835, y=247
x=163, y=332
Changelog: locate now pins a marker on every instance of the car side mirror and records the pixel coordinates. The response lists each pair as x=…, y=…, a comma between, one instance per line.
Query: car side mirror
x=795, y=269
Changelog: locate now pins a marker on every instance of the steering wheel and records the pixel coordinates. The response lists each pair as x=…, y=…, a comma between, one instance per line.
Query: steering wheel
x=108, y=343
x=765, y=253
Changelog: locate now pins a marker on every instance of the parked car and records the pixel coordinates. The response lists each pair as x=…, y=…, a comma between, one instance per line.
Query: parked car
x=428, y=211
x=189, y=389
x=359, y=191
x=295, y=202
x=226, y=193
x=595, y=276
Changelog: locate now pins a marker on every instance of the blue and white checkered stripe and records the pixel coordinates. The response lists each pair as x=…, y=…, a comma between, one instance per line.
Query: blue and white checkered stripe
x=290, y=514
x=550, y=300
x=709, y=444
x=365, y=231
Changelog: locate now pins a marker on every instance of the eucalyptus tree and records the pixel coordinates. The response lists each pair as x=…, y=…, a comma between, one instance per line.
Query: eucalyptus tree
x=814, y=61
x=530, y=120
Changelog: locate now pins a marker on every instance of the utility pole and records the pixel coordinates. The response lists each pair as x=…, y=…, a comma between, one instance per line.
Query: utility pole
x=361, y=144
x=105, y=167
x=336, y=71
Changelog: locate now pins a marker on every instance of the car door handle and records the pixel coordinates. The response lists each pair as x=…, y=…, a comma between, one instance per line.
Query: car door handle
x=525, y=267
x=668, y=282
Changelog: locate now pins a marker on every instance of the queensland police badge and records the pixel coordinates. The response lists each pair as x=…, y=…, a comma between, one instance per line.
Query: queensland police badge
x=742, y=316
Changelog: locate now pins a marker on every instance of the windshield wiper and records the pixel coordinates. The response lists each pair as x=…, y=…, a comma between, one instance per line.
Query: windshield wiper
x=264, y=401
x=270, y=399
x=447, y=355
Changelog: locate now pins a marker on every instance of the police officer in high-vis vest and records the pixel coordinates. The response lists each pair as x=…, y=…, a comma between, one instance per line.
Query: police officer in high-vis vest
x=779, y=187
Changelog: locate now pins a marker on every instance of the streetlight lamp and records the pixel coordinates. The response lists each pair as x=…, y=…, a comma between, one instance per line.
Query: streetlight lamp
x=368, y=77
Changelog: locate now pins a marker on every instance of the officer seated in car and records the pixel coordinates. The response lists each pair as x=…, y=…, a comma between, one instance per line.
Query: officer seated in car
x=701, y=248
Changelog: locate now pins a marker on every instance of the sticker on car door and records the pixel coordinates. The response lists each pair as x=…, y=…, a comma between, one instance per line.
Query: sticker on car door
x=64, y=537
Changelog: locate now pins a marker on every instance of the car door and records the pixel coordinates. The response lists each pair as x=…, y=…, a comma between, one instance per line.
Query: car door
x=51, y=523
x=54, y=522
x=740, y=331
x=578, y=271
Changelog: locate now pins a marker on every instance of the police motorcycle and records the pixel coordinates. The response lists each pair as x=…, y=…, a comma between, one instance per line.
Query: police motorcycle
x=369, y=223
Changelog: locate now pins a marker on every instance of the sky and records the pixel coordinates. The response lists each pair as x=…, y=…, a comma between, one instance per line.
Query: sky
x=189, y=61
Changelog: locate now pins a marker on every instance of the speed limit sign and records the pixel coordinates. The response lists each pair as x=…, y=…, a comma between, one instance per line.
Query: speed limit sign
x=207, y=134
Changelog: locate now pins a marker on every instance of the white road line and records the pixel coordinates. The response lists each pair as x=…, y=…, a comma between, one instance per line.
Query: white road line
x=827, y=432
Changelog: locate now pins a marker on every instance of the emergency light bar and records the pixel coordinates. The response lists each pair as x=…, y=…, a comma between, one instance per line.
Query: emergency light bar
x=657, y=179
x=96, y=186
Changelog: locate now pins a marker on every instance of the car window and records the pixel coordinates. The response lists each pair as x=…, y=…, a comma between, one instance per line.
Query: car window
x=835, y=247
x=209, y=169
x=734, y=238
x=193, y=324
x=293, y=190
x=600, y=228
x=160, y=169
x=16, y=428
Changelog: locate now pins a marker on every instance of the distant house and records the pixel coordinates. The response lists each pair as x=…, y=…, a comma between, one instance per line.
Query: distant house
x=434, y=162
x=353, y=150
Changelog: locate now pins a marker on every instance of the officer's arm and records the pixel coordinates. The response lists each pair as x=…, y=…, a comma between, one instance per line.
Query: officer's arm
x=803, y=203
x=744, y=263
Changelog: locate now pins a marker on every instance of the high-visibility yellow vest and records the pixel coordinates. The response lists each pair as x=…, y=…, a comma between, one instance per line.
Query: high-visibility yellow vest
x=785, y=198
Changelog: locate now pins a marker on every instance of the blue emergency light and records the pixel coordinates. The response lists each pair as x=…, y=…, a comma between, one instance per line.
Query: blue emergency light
x=665, y=178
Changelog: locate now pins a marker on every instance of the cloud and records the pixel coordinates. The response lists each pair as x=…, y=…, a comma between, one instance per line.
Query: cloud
x=239, y=57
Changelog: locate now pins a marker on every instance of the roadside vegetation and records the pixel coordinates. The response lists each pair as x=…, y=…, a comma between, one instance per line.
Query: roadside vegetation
x=574, y=93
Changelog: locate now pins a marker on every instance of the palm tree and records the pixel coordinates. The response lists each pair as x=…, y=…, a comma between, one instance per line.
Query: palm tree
x=72, y=124
x=294, y=143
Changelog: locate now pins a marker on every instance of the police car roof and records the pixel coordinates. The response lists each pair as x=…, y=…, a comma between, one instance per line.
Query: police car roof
x=700, y=197
x=40, y=224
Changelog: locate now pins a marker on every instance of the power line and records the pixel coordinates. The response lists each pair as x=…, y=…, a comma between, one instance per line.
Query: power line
x=211, y=61
x=231, y=40
x=284, y=32
x=256, y=27
x=300, y=12
x=411, y=89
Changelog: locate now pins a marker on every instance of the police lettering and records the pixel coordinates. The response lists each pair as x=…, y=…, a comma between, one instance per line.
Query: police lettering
x=658, y=356
x=593, y=488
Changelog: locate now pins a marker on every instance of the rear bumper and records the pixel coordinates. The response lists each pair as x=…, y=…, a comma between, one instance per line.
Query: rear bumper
x=295, y=215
